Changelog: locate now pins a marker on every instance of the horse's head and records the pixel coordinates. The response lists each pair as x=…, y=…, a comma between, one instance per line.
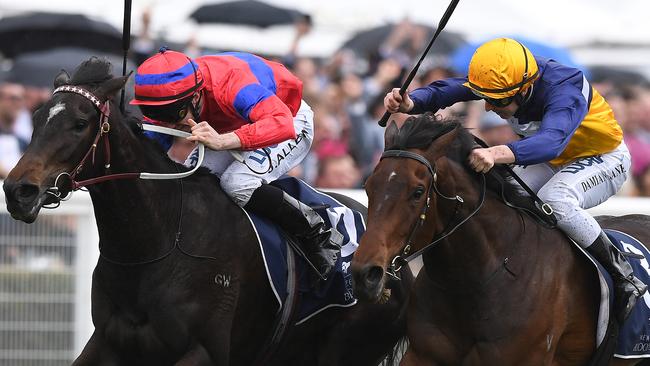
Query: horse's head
x=412, y=179
x=66, y=128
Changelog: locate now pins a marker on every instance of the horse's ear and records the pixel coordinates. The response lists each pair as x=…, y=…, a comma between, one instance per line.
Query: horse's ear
x=109, y=88
x=390, y=134
x=62, y=78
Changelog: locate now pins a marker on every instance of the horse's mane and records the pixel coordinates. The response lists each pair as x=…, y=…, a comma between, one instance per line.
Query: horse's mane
x=418, y=132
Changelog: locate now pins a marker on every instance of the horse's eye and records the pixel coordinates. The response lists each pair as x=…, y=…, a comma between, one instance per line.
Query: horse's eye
x=80, y=125
x=417, y=194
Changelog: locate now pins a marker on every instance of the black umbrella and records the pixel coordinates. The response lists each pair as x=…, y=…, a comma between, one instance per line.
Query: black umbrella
x=41, y=31
x=366, y=42
x=616, y=75
x=39, y=68
x=246, y=12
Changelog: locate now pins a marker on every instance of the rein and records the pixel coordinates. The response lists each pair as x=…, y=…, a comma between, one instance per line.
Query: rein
x=102, y=133
x=401, y=259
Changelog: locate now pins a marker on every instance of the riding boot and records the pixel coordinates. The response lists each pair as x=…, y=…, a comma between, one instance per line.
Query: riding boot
x=627, y=288
x=321, y=246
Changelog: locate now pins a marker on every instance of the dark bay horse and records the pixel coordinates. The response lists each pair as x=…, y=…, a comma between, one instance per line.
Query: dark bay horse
x=500, y=289
x=159, y=295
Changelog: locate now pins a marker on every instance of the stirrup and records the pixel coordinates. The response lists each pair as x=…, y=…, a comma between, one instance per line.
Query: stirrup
x=327, y=251
x=640, y=287
x=336, y=239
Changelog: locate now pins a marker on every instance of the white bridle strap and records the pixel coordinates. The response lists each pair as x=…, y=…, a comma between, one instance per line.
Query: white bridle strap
x=178, y=133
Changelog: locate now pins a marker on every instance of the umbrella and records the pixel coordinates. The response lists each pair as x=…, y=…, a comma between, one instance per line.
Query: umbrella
x=461, y=57
x=616, y=75
x=246, y=12
x=40, y=31
x=366, y=42
x=39, y=68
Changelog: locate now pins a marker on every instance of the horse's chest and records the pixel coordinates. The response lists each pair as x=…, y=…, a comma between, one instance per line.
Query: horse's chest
x=150, y=332
x=130, y=316
x=481, y=333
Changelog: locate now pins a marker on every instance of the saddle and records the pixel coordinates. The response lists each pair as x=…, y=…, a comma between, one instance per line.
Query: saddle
x=502, y=180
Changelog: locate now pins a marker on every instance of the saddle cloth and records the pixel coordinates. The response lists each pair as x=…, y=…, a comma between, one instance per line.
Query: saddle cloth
x=337, y=290
x=634, y=335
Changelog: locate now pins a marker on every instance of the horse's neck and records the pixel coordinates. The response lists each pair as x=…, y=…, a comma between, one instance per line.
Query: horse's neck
x=137, y=219
x=471, y=257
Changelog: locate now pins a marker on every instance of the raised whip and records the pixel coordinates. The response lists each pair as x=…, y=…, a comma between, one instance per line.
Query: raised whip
x=407, y=82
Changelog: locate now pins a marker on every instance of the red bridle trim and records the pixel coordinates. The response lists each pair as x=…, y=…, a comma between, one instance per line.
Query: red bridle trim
x=103, y=130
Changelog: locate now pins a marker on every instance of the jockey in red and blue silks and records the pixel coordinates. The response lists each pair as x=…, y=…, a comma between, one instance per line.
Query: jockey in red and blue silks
x=571, y=153
x=246, y=103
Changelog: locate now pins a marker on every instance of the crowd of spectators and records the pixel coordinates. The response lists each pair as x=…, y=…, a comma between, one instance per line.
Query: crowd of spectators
x=346, y=92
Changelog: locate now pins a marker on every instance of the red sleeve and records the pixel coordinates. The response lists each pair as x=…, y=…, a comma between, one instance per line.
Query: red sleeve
x=270, y=119
x=271, y=123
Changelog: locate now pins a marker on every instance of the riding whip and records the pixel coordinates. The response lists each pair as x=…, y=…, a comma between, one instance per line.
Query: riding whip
x=407, y=82
x=126, y=42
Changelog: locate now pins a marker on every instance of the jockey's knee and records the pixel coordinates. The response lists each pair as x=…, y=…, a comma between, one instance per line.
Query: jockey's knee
x=561, y=201
x=239, y=188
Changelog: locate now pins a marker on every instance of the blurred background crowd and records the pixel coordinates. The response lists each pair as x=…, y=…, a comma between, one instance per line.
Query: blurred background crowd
x=345, y=86
x=348, y=55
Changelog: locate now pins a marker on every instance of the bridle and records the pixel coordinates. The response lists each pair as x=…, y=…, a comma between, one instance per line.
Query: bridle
x=403, y=258
x=104, y=127
x=102, y=133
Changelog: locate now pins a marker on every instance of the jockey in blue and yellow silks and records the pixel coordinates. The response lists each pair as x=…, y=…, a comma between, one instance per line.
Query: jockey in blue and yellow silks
x=571, y=152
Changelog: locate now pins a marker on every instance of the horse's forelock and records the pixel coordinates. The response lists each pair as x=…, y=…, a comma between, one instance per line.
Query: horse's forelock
x=418, y=132
x=93, y=72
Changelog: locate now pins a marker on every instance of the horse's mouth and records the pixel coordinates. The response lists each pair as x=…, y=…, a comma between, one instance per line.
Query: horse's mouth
x=369, y=295
x=28, y=211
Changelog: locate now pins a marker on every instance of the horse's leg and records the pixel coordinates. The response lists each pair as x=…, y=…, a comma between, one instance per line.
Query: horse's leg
x=97, y=353
x=215, y=335
x=428, y=345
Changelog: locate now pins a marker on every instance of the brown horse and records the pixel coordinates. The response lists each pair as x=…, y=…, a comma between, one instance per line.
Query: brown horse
x=497, y=288
x=180, y=280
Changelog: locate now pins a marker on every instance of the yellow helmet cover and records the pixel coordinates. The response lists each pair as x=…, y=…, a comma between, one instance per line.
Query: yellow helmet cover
x=501, y=68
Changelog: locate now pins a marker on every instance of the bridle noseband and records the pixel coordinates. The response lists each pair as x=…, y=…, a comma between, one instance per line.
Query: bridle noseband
x=401, y=259
x=104, y=128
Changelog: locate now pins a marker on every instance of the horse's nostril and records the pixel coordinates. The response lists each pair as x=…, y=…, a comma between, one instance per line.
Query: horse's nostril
x=26, y=192
x=374, y=276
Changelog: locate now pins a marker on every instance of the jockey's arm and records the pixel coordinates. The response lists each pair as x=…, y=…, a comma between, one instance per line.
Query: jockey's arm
x=563, y=114
x=502, y=154
x=205, y=134
x=440, y=94
x=271, y=123
x=483, y=159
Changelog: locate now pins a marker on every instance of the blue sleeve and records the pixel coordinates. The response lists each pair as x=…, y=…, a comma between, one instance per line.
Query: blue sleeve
x=440, y=94
x=563, y=112
x=165, y=141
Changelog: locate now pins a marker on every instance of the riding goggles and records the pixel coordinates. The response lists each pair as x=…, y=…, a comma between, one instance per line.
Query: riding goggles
x=169, y=113
x=499, y=103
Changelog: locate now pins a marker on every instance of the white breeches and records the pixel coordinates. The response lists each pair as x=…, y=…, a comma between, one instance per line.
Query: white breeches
x=238, y=181
x=576, y=186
